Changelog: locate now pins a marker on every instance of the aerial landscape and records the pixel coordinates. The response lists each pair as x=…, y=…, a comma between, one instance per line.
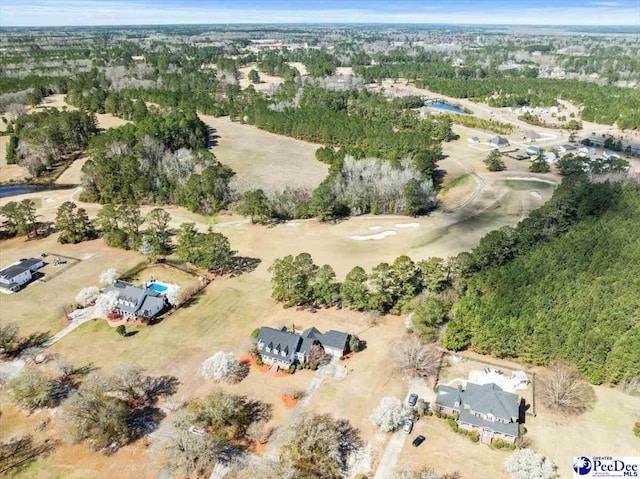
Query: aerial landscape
x=328, y=240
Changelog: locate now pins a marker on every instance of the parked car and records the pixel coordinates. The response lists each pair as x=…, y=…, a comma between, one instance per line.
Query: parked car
x=407, y=427
x=413, y=399
x=418, y=440
x=198, y=431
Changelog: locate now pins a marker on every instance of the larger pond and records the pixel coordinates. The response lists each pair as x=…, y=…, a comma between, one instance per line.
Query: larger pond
x=15, y=190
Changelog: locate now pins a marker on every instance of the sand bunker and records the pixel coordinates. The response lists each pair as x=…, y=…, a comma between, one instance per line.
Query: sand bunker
x=377, y=236
x=536, y=195
x=407, y=225
x=375, y=228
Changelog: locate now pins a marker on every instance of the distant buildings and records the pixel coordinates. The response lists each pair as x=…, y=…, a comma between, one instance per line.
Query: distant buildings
x=474, y=140
x=16, y=275
x=499, y=142
x=530, y=135
x=533, y=150
x=566, y=148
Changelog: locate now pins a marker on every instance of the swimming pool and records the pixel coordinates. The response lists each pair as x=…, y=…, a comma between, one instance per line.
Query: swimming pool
x=157, y=287
x=446, y=106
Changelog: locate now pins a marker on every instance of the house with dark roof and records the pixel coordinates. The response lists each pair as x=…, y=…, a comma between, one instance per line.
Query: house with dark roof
x=486, y=408
x=16, y=275
x=499, y=142
x=134, y=301
x=284, y=348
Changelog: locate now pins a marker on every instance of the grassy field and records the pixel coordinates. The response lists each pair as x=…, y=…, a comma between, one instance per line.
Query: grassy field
x=262, y=159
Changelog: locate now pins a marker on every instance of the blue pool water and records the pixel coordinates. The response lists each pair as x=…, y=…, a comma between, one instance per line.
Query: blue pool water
x=157, y=287
x=445, y=106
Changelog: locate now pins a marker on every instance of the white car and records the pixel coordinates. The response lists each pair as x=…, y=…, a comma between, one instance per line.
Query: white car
x=198, y=431
x=407, y=427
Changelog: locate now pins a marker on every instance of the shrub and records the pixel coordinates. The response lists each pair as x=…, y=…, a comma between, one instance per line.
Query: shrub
x=121, y=330
x=254, y=333
x=259, y=361
x=636, y=429
x=500, y=444
x=292, y=369
x=474, y=438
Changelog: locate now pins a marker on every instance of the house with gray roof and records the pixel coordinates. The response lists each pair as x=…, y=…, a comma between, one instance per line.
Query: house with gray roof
x=134, y=301
x=16, y=275
x=284, y=348
x=499, y=141
x=486, y=408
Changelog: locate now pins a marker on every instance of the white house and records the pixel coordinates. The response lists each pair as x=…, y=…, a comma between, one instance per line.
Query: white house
x=474, y=140
x=608, y=154
x=533, y=150
x=587, y=151
x=566, y=148
x=550, y=157
x=16, y=275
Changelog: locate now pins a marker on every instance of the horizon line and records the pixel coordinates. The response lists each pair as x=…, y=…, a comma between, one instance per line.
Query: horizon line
x=549, y=25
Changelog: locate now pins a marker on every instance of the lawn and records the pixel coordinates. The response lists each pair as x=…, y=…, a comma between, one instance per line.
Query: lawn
x=265, y=160
x=36, y=307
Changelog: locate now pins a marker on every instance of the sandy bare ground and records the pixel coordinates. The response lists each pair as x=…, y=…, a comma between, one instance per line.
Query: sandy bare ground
x=73, y=174
x=300, y=66
x=268, y=83
x=262, y=159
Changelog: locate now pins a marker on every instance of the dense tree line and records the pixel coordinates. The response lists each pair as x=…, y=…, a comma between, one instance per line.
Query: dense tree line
x=43, y=138
x=297, y=281
x=162, y=158
x=474, y=122
x=364, y=125
x=562, y=284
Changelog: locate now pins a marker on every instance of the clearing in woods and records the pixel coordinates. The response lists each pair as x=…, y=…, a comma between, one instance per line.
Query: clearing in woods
x=261, y=159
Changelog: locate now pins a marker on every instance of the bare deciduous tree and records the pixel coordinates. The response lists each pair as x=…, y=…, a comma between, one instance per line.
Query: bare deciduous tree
x=316, y=355
x=415, y=359
x=565, y=391
x=195, y=454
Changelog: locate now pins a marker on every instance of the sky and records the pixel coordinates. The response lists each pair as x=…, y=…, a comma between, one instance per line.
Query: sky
x=139, y=12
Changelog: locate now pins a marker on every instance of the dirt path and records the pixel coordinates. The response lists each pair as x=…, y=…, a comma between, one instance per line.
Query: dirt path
x=79, y=317
x=391, y=455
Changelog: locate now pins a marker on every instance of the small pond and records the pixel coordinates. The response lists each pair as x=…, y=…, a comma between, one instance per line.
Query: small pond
x=446, y=106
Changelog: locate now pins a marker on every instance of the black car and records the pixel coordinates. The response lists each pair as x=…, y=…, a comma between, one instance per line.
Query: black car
x=418, y=440
x=413, y=399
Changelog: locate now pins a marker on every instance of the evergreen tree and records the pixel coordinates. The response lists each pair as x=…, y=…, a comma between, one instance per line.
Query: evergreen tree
x=326, y=291
x=494, y=161
x=539, y=164
x=73, y=225
x=353, y=291
x=254, y=204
